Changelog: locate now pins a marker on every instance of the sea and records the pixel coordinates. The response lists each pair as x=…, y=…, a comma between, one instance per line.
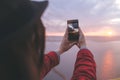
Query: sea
x=106, y=51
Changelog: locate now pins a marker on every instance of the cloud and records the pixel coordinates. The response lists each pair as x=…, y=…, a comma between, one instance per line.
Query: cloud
x=117, y=2
x=101, y=7
x=114, y=21
x=103, y=31
x=92, y=14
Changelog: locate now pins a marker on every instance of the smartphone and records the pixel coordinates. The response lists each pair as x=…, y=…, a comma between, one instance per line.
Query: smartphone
x=73, y=30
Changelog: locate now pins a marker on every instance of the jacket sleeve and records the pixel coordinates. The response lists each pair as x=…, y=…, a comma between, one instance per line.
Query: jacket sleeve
x=50, y=60
x=85, y=66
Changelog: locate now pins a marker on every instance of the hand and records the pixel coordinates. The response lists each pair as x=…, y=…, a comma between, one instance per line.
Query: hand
x=65, y=44
x=81, y=42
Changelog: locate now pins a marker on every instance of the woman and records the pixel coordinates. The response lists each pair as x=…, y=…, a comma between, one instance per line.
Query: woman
x=22, y=40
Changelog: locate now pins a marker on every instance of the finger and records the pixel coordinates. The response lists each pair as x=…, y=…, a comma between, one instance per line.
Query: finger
x=78, y=45
x=80, y=31
x=66, y=33
x=81, y=35
x=71, y=44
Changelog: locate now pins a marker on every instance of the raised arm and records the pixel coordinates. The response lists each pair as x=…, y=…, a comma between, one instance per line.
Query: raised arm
x=50, y=60
x=85, y=66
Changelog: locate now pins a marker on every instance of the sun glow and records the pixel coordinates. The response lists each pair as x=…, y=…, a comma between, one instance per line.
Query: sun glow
x=55, y=34
x=108, y=32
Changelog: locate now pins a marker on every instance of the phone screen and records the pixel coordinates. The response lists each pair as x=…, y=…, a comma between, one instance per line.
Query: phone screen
x=73, y=30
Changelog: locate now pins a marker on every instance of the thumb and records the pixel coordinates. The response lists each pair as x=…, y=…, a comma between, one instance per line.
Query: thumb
x=78, y=45
x=73, y=43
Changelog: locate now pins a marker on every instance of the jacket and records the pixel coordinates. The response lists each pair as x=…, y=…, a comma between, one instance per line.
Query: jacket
x=84, y=69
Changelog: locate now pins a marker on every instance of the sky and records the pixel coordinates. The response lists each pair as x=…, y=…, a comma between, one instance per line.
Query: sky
x=96, y=17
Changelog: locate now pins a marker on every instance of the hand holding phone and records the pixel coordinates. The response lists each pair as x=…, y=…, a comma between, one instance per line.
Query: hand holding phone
x=73, y=30
x=73, y=36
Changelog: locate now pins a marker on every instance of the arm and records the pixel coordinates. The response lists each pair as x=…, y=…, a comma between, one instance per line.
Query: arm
x=50, y=60
x=85, y=66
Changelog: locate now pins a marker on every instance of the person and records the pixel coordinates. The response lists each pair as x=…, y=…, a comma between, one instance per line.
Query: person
x=22, y=43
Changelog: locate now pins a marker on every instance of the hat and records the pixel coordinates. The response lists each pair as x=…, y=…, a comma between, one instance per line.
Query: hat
x=15, y=14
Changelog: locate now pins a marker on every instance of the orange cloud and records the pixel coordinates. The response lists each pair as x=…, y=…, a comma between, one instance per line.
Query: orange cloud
x=105, y=31
x=55, y=33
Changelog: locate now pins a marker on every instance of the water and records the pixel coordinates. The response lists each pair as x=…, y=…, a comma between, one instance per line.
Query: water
x=106, y=53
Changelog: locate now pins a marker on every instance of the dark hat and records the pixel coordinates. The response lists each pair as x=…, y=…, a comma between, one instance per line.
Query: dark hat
x=15, y=14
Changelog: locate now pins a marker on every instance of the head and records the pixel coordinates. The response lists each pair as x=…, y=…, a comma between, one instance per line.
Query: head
x=22, y=38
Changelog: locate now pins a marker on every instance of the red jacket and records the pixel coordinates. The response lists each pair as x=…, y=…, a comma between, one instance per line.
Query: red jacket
x=84, y=69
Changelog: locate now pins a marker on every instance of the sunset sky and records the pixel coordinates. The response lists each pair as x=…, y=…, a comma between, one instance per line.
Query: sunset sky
x=96, y=17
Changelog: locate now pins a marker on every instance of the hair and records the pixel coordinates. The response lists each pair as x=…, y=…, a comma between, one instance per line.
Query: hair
x=21, y=54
